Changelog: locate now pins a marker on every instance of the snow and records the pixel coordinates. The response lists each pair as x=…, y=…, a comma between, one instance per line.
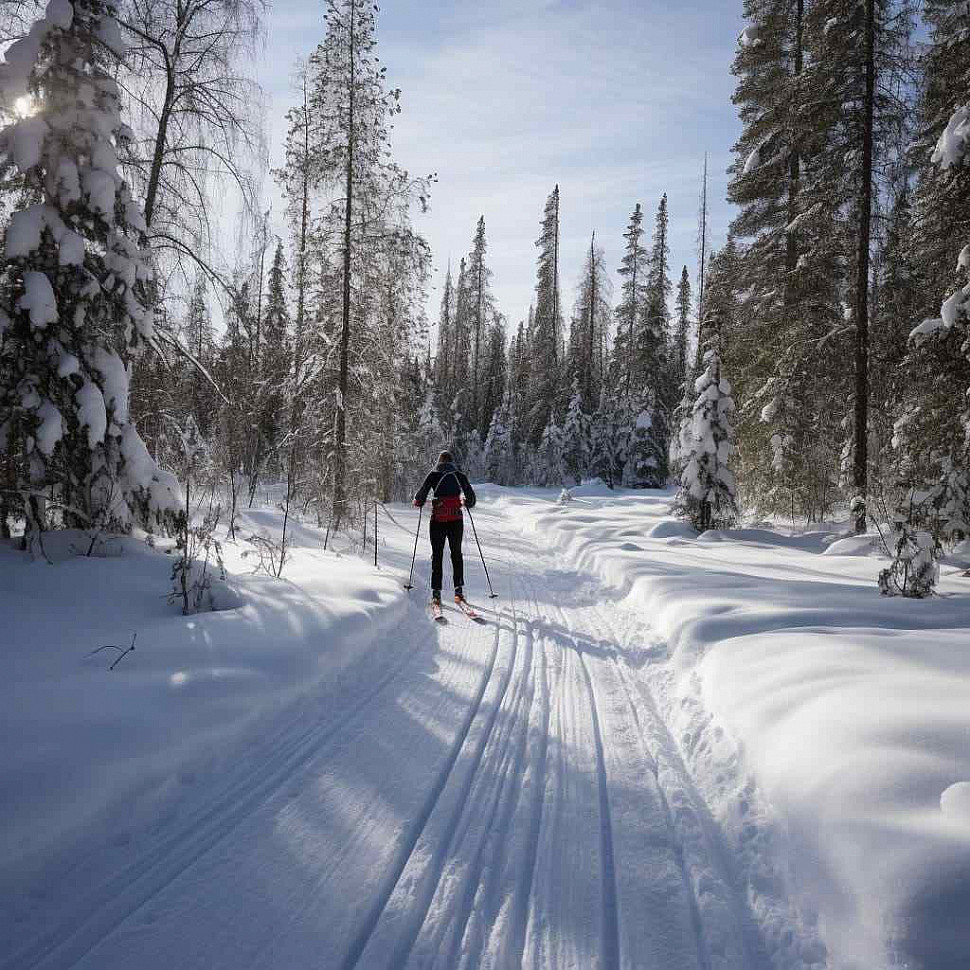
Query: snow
x=952, y=144
x=752, y=161
x=91, y=413
x=24, y=230
x=51, y=428
x=67, y=181
x=955, y=803
x=749, y=37
x=20, y=56
x=100, y=187
x=114, y=383
x=822, y=722
x=38, y=299
x=70, y=249
x=143, y=474
x=864, y=545
x=24, y=141
x=60, y=13
x=657, y=751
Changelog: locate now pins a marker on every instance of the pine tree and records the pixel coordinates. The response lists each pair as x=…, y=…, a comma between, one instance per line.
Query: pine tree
x=933, y=433
x=444, y=365
x=276, y=360
x=633, y=271
x=857, y=51
x=297, y=179
x=481, y=308
x=707, y=485
x=657, y=313
x=586, y=363
x=499, y=450
x=682, y=333
x=76, y=285
x=199, y=339
x=546, y=331
x=789, y=267
x=576, y=437
x=352, y=111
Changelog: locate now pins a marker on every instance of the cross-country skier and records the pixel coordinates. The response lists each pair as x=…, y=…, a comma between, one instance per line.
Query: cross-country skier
x=447, y=485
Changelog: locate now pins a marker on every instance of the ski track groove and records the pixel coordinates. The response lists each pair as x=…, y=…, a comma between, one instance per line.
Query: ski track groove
x=741, y=949
x=514, y=948
x=371, y=921
x=472, y=879
x=509, y=739
x=498, y=882
x=703, y=951
x=623, y=676
x=611, y=929
x=122, y=894
x=441, y=851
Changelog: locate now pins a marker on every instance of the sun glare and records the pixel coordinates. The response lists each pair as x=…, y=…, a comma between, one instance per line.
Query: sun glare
x=25, y=106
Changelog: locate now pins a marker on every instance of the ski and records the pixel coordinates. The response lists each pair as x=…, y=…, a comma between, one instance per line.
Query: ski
x=436, y=612
x=468, y=611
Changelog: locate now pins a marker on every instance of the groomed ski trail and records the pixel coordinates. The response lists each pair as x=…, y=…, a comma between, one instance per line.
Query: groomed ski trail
x=505, y=795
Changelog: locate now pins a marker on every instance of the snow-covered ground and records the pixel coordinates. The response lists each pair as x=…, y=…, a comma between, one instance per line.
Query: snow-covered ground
x=656, y=751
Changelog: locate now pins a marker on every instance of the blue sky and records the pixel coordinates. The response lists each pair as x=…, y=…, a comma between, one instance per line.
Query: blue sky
x=616, y=100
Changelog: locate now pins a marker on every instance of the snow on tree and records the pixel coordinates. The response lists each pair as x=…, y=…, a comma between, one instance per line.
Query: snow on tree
x=932, y=437
x=633, y=271
x=76, y=284
x=646, y=462
x=707, y=495
x=576, y=447
x=499, y=449
x=545, y=330
x=682, y=334
x=914, y=570
x=586, y=359
x=367, y=217
x=610, y=438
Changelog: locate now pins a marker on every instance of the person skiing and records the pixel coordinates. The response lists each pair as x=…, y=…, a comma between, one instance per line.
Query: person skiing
x=448, y=485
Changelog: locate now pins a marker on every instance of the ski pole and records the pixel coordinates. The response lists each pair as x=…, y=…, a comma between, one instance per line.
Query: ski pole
x=375, y=533
x=491, y=593
x=409, y=586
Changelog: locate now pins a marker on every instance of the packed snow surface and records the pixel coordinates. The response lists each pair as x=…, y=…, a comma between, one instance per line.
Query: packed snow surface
x=652, y=751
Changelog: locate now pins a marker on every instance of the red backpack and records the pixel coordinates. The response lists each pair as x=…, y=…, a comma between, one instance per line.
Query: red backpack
x=446, y=509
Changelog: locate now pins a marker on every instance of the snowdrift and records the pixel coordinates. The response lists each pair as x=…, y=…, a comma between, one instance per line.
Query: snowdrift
x=827, y=725
x=84, y=746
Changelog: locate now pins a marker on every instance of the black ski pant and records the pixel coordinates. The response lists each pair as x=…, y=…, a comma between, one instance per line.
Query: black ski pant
x=452, y=532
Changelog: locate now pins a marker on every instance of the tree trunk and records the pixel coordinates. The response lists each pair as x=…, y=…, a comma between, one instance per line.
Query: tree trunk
x=699, y=351
x=862, y=278
x=588, y=390
x=794, y=168
x=339, y=464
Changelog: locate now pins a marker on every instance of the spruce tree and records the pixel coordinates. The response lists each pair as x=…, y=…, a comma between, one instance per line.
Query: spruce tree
x=633, y=271
x=76, y=285
x=789, y=265
x=858, y=58
x=367, y=212
x=707, y=497
x=546, y=329
x=481, y=309
x=586, y=363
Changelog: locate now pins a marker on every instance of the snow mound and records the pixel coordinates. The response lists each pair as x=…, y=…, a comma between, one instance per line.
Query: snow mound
x=671, y=529
x=592, y=488
x=867, y=545
x=955, y=801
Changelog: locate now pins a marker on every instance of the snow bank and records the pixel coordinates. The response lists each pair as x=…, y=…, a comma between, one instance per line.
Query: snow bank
x=89, y=753
x=827, y=726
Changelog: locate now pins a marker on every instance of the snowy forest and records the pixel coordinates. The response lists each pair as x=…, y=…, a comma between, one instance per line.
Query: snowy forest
x=836, y=310
x=662, y=309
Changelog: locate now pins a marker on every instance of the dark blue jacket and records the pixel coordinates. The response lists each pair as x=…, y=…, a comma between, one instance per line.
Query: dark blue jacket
x=446, y=482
